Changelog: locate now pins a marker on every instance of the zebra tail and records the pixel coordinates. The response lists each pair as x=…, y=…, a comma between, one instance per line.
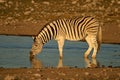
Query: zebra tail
x=99, y=37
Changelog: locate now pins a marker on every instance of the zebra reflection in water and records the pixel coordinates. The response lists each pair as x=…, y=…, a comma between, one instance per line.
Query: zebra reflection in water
x=76, y=29
x=89, y=63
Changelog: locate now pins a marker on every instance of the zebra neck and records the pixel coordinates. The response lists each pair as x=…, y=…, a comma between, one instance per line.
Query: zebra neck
x=45, y=36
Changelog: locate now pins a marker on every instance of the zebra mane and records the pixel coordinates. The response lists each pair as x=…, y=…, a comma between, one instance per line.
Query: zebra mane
x=45, y=26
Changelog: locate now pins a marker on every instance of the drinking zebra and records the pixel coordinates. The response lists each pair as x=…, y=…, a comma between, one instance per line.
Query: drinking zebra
x=76, y=29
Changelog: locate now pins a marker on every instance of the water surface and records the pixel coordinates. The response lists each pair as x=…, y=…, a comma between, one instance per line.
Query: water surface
x=14, y=53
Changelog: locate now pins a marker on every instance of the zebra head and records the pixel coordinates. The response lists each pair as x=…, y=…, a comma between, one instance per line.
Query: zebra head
x=36, y=47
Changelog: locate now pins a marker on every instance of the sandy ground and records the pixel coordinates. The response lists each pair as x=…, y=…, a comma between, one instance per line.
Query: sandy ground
x=60, y=74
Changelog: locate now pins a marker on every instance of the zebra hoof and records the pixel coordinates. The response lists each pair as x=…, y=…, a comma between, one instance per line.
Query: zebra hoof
x=93, y=56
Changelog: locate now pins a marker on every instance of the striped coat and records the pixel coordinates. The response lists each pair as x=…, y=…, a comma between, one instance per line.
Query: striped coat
x=76, y=29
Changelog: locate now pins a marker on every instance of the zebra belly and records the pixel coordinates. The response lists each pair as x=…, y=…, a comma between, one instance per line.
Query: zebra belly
x=73, y=39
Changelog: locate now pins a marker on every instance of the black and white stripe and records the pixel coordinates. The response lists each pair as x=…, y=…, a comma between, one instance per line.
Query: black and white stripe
x=72, y=29
x=78, y=28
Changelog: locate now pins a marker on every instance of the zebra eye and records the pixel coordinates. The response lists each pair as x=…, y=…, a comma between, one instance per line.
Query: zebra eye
x=36, y=45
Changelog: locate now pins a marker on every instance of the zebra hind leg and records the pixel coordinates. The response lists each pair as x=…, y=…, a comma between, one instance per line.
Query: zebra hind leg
x=95, y=46
x=60, y=46
x=88, y=40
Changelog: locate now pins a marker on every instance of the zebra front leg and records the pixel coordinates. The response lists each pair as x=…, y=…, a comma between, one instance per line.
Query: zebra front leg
x=60, y=46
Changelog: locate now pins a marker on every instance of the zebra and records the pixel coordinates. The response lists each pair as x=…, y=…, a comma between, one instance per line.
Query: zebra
x=74, y=29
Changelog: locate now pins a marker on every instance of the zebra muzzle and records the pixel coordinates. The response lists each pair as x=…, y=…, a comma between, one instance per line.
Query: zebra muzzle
x=31, y=55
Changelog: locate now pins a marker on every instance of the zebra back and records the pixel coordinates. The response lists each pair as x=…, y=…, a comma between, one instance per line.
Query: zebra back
x=71, y=29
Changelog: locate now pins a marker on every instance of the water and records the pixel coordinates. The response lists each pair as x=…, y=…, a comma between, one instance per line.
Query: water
x=14, y=53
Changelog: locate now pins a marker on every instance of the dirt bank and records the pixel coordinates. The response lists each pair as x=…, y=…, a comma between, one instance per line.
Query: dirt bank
x=110, y=32
x=60, y=74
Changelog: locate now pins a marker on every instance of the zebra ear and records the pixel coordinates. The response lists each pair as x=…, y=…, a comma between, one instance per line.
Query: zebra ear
x=34, y=37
